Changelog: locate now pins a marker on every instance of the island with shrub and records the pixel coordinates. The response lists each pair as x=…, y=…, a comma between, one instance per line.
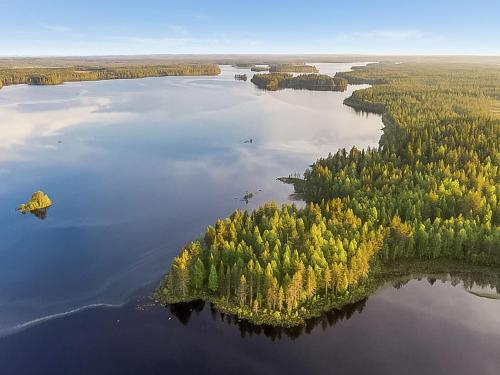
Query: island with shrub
x=39, y=200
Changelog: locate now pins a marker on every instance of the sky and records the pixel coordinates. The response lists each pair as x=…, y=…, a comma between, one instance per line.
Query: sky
x=110, y=27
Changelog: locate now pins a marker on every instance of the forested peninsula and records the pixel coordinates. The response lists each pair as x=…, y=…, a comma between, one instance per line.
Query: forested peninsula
x=426, y=199
x=56, y=76
x=317, y=82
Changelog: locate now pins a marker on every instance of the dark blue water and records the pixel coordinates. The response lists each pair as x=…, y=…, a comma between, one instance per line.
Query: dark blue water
x=136, y=168
x=417, y=329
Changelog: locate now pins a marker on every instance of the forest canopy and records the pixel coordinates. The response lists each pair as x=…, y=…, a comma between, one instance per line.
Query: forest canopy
x=256, y=68
x=293, y=68
x=429, y=193
x=317, y=82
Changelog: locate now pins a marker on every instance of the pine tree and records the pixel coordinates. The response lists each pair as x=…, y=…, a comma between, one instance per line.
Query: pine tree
x=242, y=290
x=198, y=277
x=327, y=277
x=310, y=282
x=213, y=282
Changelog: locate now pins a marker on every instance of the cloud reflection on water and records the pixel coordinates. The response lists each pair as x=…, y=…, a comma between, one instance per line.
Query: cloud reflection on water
x=143, y=167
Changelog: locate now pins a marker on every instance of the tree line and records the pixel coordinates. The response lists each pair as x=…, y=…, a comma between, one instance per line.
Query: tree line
x=259, y=68
x=292, y=68
x=317, y=82
x=55, y=76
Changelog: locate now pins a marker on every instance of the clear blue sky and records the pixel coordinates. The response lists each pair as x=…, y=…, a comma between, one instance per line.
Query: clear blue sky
x=92, y=27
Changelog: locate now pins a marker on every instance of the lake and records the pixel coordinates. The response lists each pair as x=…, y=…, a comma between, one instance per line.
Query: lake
x=137, y=168
x=422, y=327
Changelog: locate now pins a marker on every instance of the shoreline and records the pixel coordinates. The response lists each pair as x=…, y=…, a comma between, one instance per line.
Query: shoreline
x=376, y=278
x=382, y=275
x=412, y=270
x=60, y=76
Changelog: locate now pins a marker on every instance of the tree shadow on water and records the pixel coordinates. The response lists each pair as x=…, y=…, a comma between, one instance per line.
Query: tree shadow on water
x=40, y=213
x=184, y=311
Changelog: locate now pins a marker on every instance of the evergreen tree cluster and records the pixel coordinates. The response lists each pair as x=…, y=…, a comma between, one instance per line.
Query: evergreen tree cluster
x=259, y=68
x=293, y=68
x=317, y=82
x=277, y=261
x=55, y=76
x=435, y=178
x=429, y=192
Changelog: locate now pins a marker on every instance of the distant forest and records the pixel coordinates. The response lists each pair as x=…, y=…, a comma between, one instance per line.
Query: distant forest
x=318, y=82
x=293, y=68
x=55, y=76
x=259, y=68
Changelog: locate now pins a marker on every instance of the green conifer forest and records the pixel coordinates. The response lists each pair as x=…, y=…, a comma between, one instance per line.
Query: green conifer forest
x=429, y=193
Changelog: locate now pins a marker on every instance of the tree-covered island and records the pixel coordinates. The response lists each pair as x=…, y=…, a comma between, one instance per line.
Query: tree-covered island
x=256, y=68
x=39, y=200
x=317, y=82
x=426, y=199
x=240, y=77
x=55, y=76
x=292, y=68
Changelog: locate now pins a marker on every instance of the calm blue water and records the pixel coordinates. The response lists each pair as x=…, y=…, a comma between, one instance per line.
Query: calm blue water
x=136, y=168
x=423, y=327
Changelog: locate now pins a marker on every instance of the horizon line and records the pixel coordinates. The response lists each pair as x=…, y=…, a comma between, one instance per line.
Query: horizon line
x=255, y=54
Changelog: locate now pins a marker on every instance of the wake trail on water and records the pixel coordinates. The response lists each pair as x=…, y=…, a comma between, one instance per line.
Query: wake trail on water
x=148, y=254
x=22, y=326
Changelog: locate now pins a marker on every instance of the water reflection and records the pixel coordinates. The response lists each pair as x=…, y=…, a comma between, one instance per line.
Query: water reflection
x=184, y=311
x=416, y=329
x=484, y=283
x=485, y=278
x=40, y=213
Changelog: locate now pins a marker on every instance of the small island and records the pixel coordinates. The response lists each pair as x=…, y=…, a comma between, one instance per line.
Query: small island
x=246, y=198
x=243, y=65
x=240, y=77
x=293, y=68
x=256, y=68
x=316, y=82
x=39, y=201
